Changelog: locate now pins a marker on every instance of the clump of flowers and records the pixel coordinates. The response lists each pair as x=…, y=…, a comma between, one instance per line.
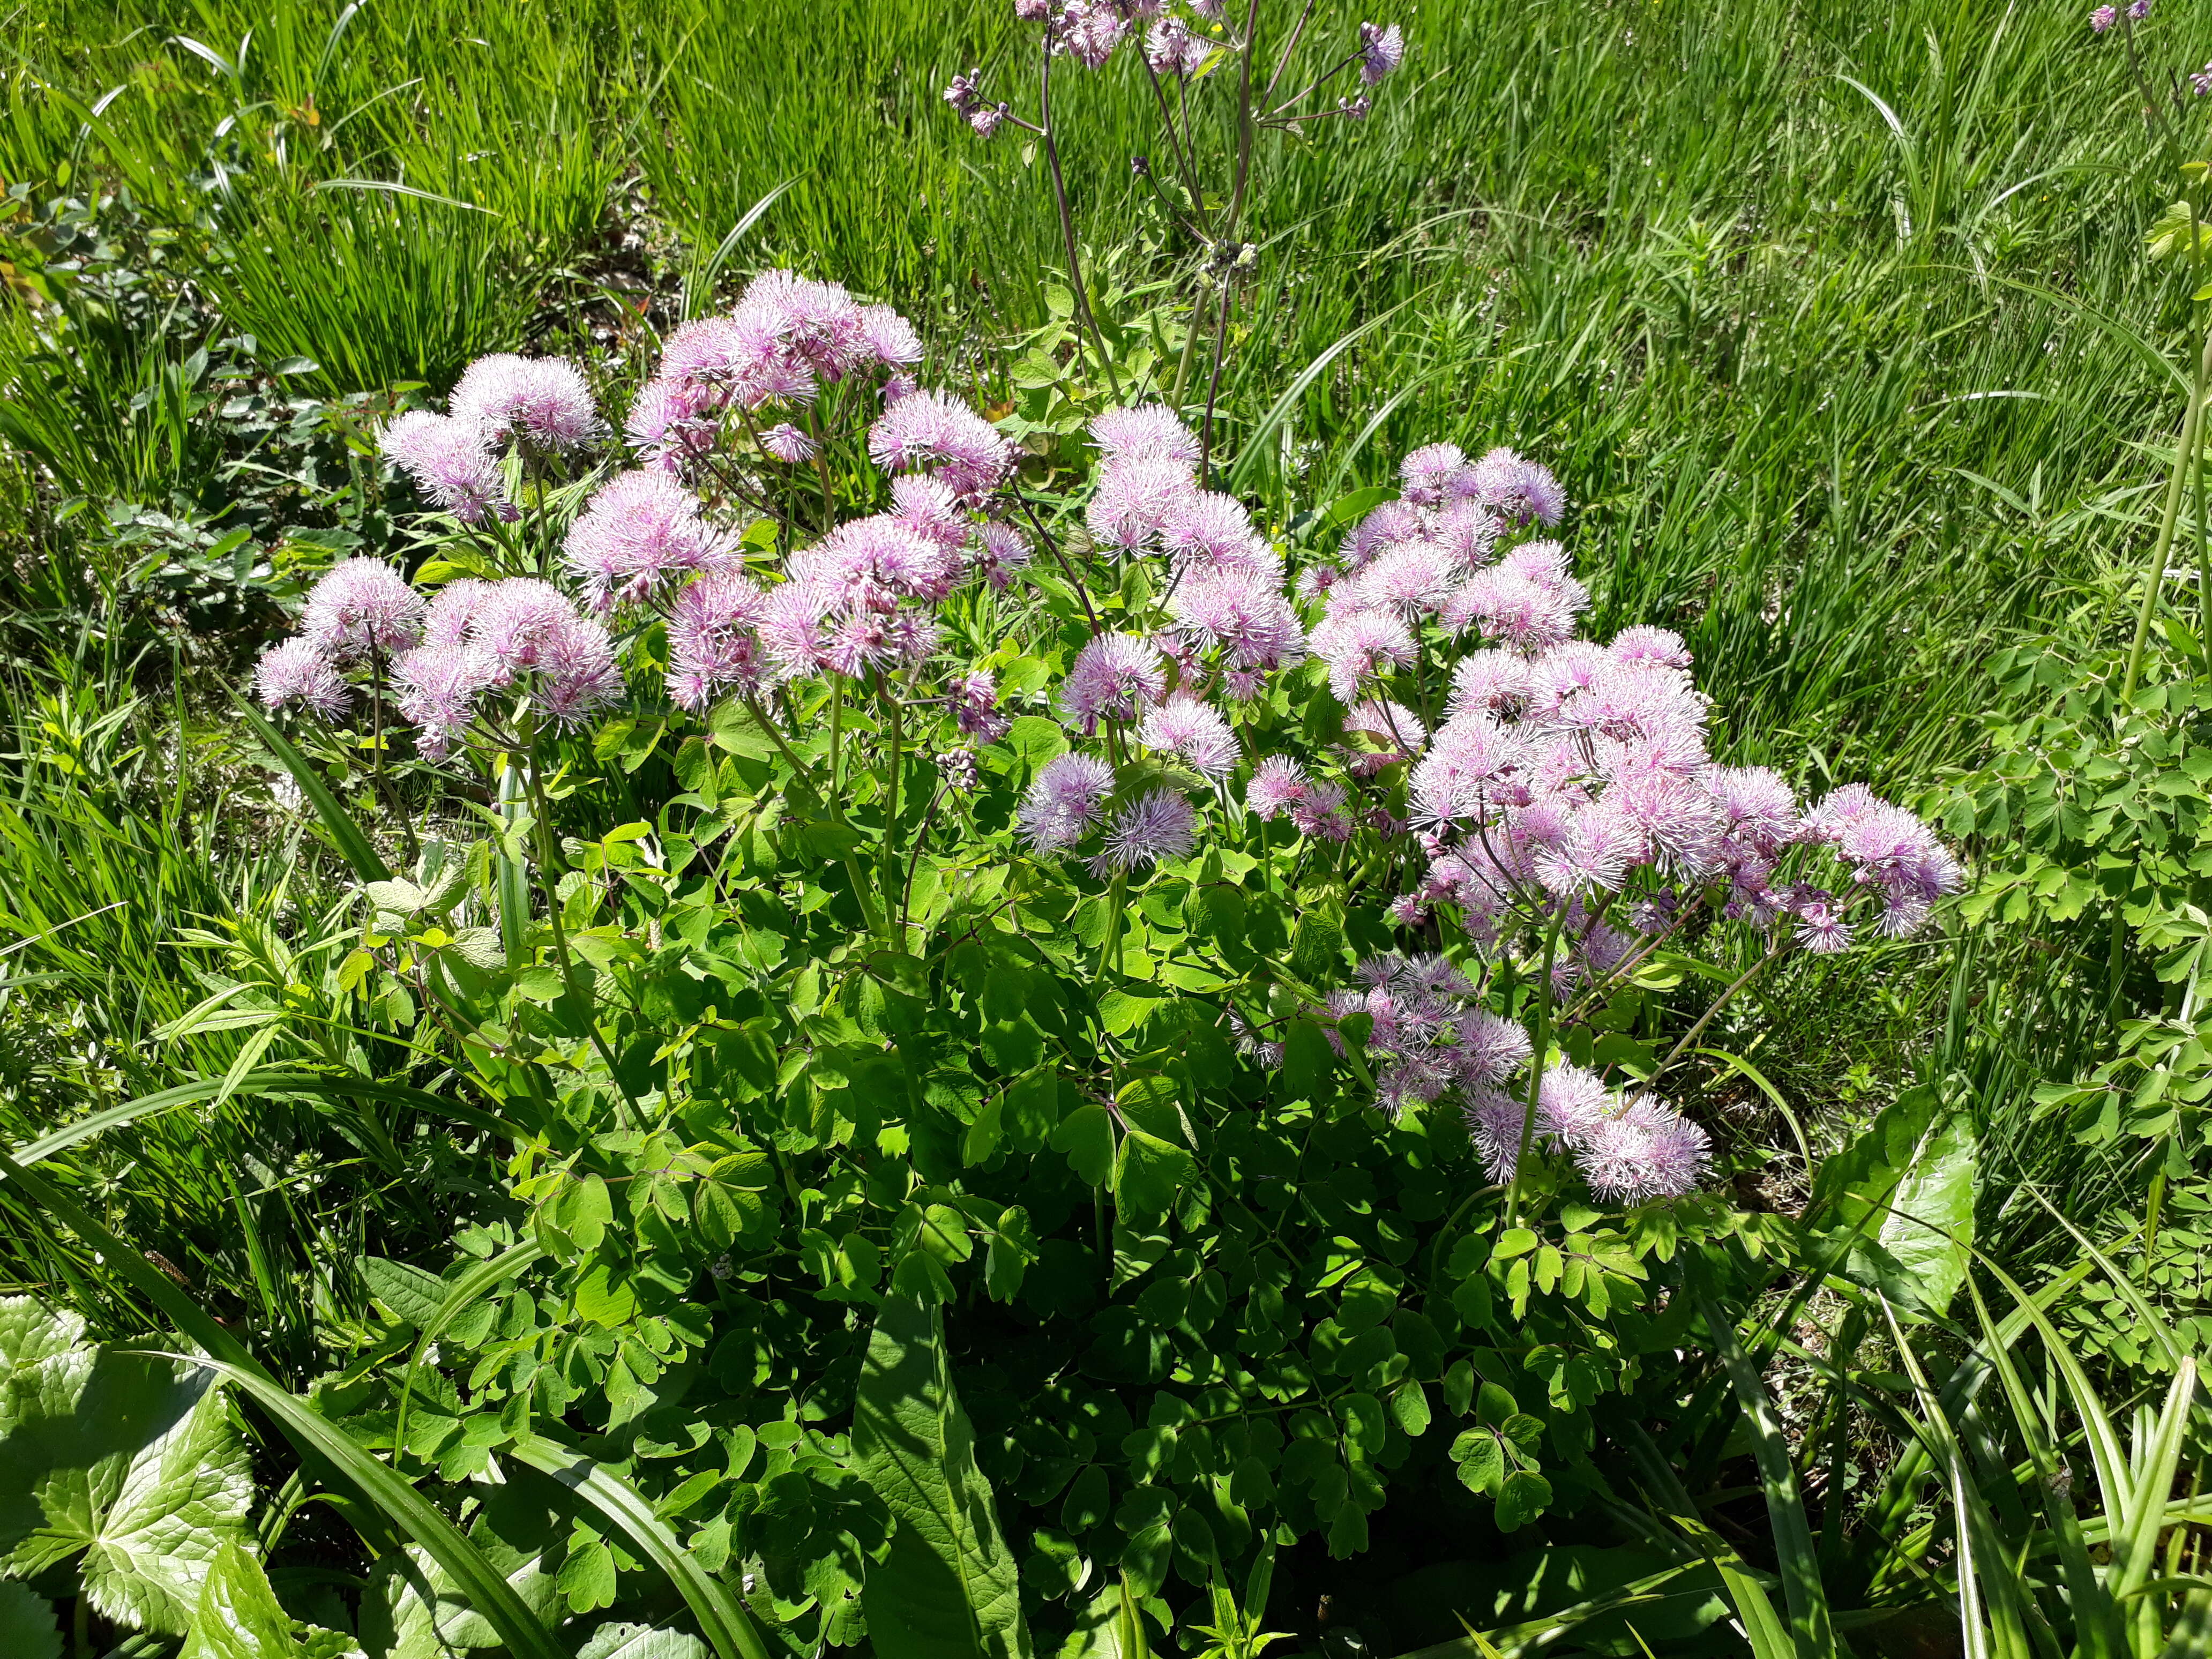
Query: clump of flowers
x=1537, y=813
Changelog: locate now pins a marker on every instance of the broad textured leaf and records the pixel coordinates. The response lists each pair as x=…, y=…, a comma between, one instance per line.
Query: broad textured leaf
x=641, y=1642
x=409, y=1293
x=240, y=1618
x=127, y=1462
x=1898, y=1204
x=948, y=1590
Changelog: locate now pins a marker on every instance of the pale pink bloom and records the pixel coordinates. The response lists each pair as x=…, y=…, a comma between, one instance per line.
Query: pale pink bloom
x=1145, y=432
x=929, y=508
x=437, y=687
x=1518, y=489
x=1381, y=50
x=296, y=670
x=1066, y=797
x=1113, y=678
x=1135, y=500
x=544, y=400
x=449, y=462
x=641, y=532
x=1359, y=647
x=576, y=675
x=513, y=624
x=786, y=443
x=1572, y=1102
x=928, y=430
x=714, y=640
x=998, y=551
x=1192, y=731
x=455, y=610
x=1277, y=784
x=361, y=606
x=1241, y=615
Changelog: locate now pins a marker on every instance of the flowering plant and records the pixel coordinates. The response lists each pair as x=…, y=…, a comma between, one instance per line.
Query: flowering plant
x=1210, y=967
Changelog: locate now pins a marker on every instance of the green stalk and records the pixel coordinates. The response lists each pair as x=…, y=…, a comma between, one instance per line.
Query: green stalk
x=2192, y=424
x=895, y=716
x=545, y=856
x=1109, y=947
x=1535, y=1070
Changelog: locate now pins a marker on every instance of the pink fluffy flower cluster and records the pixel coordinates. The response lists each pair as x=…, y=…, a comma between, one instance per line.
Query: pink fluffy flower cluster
x=1175, y=45
x=1428, y=1034
x=859, y=601
x=542, y=405
x=441, y=656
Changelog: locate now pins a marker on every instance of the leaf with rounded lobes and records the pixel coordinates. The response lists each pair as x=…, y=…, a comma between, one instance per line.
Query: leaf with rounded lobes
x=1086, y=1135
x=948, y=1590
x=1152, y=1173
x=411, y=1294
x=126, y=1463
x=1524, y=1496
x=239, y=1617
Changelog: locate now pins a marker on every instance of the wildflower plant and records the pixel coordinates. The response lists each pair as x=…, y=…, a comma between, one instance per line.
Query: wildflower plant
x=1069, y=890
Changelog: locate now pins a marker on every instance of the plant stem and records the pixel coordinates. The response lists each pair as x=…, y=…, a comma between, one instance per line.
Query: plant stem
x=376, y=750
x=892, y=891
x=1067, y=218
x=1214, y=389
x=545, y=856
x=1243, y=117
x=2191, y=437
x=1543, y=1045
x=1781, y=944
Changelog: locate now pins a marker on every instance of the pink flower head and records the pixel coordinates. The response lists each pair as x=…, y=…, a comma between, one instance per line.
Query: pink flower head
x=1390, y=524
x=1193, y=732
x=1087, y=31
x=1066, y=797
x=437, y=686
x=930, y=509
x=975, y=699
x=1572, y=1102
x=1171, y=49
x=2103, y=18
x=449, y=462
x=927, y=429
x=1653, y=644
x=1496, y=683
x=641, y=531
x=1381, y=50
x=786, y=443
x=1641, y=1151
x=1359, y=647
x=888, y=337
x=1412, y=579
x=1208, y=530
x=998, y=551
x=514, y=621
x=1135, y=500
x=1507, y=606
x=1758, y=809
x=714, y=640
x=1159, y=825
x=672, y=421
x=576, y=673
x=1144, y=432
x=1239, y=613
x=1494, y=1122
x=1519, y=490
x=453, y=610
x=1431, y=471
x=1490, y=1050
x=359, y=607
x=1113, y=678
x=876, y=561
x=543, y=400
x=1277, y=784
x=296, y=670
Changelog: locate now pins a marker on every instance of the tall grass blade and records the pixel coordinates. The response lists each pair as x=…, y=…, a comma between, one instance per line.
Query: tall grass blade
x=353, y=845
x=728, y=1627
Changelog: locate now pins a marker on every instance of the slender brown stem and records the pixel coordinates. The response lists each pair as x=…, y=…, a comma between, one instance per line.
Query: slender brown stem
x=1213, y=389
x=1289, y=46
x=1243, y=117
x=384, y=790
x=1067, y=218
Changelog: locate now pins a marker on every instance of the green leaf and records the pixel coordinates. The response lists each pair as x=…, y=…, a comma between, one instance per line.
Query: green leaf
x=486, y=1590
x=27, y=1626
x=1086, y=1135
x=641, y=1642
x=352, y=842
x=124, y=1463
x=729, y=1629
x=409, y=1292
x=947, y=1590
x=1152, y=1173
x=239, y=1616
x=1898, y=1204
